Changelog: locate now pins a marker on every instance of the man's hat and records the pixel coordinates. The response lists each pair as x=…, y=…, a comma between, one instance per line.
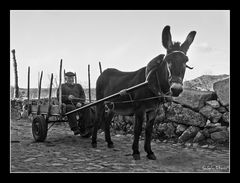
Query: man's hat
x=69, y=74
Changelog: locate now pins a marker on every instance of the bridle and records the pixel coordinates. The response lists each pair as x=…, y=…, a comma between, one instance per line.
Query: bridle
x=171, y=79
x=176, y=79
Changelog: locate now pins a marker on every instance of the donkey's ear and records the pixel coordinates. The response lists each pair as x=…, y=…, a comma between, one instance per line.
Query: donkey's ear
x=188, y=41
x=166, y=37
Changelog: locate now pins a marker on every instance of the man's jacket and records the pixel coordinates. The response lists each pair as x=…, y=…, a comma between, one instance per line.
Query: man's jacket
x=76, y=90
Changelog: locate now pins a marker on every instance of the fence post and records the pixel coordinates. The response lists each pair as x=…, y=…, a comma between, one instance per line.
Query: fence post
x=16, y=92
x=100, y=67
x=89, y=84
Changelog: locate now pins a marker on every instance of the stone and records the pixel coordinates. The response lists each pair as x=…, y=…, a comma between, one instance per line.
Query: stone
x=29, y=159
x=217, y=129
x=194, y=99
x=227, y=107
x=194, y=145
x=179, y=114
x=222, y=109
x=213, y=103
x=225, y=117
x=170, y=130
x=209, y=140
x=167, y=129
x=222, y=90
x=220, y=136
x=189, y=133
x=205, y=146
x=188, y=144
x=210, y=113
x=160, y=114
x=180, y=129
x=206, y=133
x=211, y=147
x=199, y=137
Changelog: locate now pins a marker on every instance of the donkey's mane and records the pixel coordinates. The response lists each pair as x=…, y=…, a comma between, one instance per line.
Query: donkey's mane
x=176, y=46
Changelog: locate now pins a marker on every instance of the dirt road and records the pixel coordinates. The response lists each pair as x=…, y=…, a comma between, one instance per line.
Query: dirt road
x=64, y=152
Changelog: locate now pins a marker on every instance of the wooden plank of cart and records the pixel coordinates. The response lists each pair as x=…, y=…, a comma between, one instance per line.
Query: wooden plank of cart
x=46, y=113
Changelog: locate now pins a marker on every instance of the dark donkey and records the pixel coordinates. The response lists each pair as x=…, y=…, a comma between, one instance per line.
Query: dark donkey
x=165, y=76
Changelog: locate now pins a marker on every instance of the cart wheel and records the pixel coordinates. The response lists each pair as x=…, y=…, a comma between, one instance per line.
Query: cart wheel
x=39, y=128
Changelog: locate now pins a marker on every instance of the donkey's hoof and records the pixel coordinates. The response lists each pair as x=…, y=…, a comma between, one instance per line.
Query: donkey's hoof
x=151, y=156
x=94, y=145
x=110, y=145
x=136, y=156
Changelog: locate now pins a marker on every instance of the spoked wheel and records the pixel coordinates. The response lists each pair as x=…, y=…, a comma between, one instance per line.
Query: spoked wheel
x=39, y=128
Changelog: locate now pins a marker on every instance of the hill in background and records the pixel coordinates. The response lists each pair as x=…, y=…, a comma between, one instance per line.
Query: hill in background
x=204, y=82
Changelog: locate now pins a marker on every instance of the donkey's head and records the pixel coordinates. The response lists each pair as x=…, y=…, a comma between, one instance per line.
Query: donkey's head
x=176, y=59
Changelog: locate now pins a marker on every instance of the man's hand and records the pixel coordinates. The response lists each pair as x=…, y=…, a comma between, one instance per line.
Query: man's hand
x=70, y=97
x=79, y=104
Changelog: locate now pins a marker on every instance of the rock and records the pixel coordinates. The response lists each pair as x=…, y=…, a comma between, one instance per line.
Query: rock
x=205, y=146
x=167, y=129
x=212, y=147
x=170, y=130
x=228, y=108
x=190, y=132
x=213, y=103
x=160, y=114
x=206, y=133
x=217, y=129
x=225, y=117
x=222, y=90
x=178, y=114
x=180, y=129
x=221, y=136
x=194, y=99
x=29, y=159
x=222, y=109
x=210, y=113
x=194, y=145
x=188, y=144
x=209, y=141
x=209, y=124
x=199, y=137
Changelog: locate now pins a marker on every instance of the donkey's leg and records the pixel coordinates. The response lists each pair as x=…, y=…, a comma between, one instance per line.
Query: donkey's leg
x=137, y=132
x=107, y=129
x=99, y=120
x=148, y=134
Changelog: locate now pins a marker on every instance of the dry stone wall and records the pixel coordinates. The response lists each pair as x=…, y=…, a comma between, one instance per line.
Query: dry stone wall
x=195, y=116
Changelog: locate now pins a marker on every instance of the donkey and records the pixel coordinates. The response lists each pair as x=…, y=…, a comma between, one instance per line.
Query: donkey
x=165, y=75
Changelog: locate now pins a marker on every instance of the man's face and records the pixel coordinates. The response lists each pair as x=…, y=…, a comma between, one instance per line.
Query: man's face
x=69, y=79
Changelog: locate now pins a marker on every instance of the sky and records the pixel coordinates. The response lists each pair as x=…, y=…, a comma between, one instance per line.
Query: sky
x=123, y=39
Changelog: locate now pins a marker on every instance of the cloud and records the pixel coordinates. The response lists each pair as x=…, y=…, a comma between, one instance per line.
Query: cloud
x=204, y=47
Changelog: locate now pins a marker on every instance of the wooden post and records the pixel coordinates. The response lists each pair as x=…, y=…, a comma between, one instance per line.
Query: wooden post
x=28, y=90
x=100, y=67
x=39, y=86
x=89, y=84
x=50, y=95
x=60, y=84
x=16, y=92
x=75, y=77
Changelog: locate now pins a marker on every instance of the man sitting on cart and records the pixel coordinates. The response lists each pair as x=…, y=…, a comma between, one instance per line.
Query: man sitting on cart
x=73, y=97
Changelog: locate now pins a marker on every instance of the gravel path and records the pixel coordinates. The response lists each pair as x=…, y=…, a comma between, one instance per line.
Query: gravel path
x=64, y=152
